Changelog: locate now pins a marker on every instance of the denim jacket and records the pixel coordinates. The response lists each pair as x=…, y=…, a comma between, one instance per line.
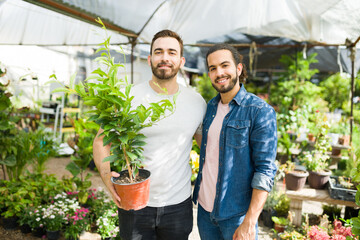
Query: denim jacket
x=247, y=151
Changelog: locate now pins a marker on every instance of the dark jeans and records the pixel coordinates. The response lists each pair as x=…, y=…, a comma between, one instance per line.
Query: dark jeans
x=162, y=223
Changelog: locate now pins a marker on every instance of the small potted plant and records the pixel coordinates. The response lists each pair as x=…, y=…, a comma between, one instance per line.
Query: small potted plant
x=54, y=218
x=111, y=101
x=77, y=222
x=280, y=223
x=316, y=161
x=294, y=178
x=108, y=224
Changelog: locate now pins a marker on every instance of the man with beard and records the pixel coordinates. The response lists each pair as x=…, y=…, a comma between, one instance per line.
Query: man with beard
x=237, y=153
x=168, y=214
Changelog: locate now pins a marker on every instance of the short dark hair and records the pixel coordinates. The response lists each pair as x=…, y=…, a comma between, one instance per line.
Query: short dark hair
x=168, y=33
x=237, y=57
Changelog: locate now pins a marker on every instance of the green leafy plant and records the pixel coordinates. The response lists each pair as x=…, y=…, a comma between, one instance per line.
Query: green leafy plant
x=44, y=148
x=86, y=131
x=17, y=195
x=282, y=206
x=285, y=144
x=25, y=153
x=77, y=222
x=336, y=91
x=121, y=122
x=293, y=88
x=317, y=159
x=280, y=220
x=27, y=216
x=108, y=224
x=205, y=88
x=7, y=130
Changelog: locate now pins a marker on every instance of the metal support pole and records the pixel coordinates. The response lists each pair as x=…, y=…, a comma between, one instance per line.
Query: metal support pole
x=133, y=43
x=352, y=58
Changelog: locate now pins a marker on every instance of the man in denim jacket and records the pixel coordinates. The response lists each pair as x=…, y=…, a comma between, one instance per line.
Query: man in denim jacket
x=237, y=154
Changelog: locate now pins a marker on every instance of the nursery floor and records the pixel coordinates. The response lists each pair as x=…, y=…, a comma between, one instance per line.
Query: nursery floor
x=57, y=166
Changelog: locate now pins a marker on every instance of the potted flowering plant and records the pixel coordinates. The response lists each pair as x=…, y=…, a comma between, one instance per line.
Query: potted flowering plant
x=55, y=214
x=54, y=218
x=77, y=222
x=26, y=218
x=280, y=223
x=108, y=224
x=316, y=161
x=37, y=222
x=121, y=122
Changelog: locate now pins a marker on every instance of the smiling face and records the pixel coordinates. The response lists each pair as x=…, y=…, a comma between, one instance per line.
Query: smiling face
x=165, y=59
x=223, y=72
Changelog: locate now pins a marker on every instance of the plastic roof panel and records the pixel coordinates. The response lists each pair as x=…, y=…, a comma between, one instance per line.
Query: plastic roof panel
x=328, y=22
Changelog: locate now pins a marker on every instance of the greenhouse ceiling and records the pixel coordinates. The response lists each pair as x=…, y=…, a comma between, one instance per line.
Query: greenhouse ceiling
x=66, y=22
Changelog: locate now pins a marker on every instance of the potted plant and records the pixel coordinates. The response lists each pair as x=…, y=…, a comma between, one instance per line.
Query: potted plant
x=7, y=130
x=111, y=100
x=280, y=223
x=285, y=146
x=108, y=224
x=83, y=155
x=294, y=178
x=316, y=161
x=26, y=218
x=54, y=218
x=332, y=211
x=78, y=222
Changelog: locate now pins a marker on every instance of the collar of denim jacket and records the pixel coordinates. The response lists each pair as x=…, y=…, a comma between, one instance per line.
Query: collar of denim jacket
x=240, y=95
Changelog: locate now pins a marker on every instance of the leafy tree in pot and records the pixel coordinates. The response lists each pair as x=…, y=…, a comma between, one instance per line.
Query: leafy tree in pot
x=113, y=111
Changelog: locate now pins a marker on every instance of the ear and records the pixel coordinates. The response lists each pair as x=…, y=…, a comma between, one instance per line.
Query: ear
x=149, y=60
x=182, y=61
x=239, y=68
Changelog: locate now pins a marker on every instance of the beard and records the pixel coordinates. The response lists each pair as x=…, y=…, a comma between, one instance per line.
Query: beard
x=225, y=89
x=164, y=74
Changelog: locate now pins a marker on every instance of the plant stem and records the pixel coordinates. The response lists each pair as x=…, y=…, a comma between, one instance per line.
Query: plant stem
x=128, y=164
x=3, y=168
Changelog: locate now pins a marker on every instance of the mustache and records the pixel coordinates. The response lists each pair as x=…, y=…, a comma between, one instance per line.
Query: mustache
x=222, y=76
x=164, y=63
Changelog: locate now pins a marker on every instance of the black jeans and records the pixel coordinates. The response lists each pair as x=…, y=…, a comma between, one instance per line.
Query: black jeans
x=172, y=222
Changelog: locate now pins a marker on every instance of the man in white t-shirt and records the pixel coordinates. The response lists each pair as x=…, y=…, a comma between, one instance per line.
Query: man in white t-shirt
x=168, y=214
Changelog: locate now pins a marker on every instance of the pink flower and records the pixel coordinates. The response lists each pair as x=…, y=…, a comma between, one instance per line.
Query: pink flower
x=340, y=230
x=338, y=237
x=316, y=233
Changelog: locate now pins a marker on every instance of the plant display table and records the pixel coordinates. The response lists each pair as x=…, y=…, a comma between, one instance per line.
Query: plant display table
x=310, y=194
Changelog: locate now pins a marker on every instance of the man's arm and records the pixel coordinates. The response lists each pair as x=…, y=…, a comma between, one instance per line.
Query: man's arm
x=247, y=229
x=100, y=152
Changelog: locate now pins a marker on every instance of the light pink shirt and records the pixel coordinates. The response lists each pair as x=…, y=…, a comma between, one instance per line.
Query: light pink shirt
x=210, y=170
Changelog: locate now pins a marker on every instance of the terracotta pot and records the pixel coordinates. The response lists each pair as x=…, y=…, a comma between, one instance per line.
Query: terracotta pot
x=336, y=152
x=318, y=180
x=311, y=137
x=279, y=227
x=344, y=140
x=295, y=180
x=134, y=196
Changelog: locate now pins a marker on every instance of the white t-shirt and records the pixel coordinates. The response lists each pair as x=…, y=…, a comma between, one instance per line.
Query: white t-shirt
x=169, y=143
x=211, y=166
